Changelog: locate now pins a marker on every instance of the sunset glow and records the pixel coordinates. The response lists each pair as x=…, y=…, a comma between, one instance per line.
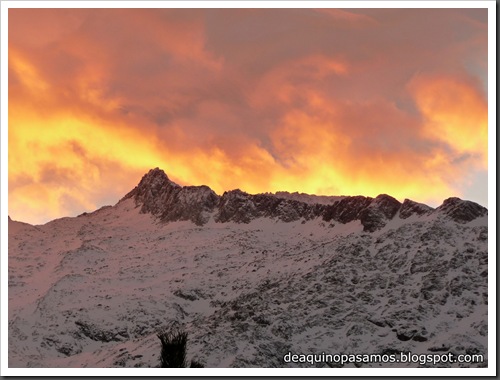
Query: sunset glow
x=325, y=101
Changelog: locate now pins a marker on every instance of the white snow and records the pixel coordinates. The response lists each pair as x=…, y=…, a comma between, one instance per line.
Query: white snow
x=92, y=291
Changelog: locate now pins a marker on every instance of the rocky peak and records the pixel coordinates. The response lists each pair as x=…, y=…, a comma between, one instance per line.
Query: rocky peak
x=461, y=211
x=154, y=191
x=152, y=184
x=386, y=205
x=380, y=210
x=155, y=180
x=158, y=195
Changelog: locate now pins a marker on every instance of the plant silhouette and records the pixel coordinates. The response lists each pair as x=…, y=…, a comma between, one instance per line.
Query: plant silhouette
x=173, y=349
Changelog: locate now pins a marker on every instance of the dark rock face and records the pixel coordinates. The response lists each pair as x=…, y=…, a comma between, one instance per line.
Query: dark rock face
x=154, y=191
x=240, y=207
x=409, y=208
x=461, y=211
x=163, y=198
x=347, y=209
x=236, y=206
x=191, y=203
x=380, y=210
x=157, y=195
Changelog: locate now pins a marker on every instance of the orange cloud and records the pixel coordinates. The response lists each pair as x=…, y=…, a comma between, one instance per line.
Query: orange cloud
x=325, y=154
x=455, y=113
x=323, y=103
x=27, y=72
x=285, y=82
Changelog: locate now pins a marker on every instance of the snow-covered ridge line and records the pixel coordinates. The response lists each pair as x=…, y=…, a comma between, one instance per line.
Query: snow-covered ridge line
x=250, y=285
x=168, y=201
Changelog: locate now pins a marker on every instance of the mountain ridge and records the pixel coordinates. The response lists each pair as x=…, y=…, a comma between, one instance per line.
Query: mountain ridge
x=168, y=201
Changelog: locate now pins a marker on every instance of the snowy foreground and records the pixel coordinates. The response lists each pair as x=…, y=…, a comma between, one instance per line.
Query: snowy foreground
x=93, y=291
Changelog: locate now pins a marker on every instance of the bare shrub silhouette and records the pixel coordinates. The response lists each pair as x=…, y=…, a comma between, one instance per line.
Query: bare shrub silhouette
x=173, y=349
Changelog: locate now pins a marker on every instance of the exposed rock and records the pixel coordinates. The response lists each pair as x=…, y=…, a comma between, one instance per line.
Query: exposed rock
x=240, y=207
x=191, y=203
x=95, y=333
x=168, y=201
x=461, y=211
x=380, y=210
x=409, y=208
x=347, y=209
x=236, y=206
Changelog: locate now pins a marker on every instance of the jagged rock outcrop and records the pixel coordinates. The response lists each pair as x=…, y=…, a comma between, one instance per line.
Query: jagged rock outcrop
x=236, y=206
x=170, y=202
x=154, y=191
x=409, y=208
x=191, y=203
x=461, y=211
x=380, y=210
x=240, y=207
x=346, y=210
x=158, y=195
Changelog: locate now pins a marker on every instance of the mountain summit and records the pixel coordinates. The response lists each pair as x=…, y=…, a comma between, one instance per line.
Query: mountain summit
x=157, y=195
x=168, y=201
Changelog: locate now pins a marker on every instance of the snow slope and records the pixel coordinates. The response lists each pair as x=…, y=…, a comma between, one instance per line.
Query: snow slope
x=92, y=291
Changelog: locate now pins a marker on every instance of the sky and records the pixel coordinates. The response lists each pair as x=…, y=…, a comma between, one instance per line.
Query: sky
x=322, y=101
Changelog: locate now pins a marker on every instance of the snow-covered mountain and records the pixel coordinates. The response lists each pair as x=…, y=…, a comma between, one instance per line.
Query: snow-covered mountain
x=250, y=278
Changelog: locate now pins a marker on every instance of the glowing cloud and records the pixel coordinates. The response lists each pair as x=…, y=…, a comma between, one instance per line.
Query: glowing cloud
x=320, y=101
x=455, y=113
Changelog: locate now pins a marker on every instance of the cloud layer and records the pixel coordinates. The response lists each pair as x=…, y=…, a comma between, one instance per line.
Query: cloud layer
x=323, y=101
